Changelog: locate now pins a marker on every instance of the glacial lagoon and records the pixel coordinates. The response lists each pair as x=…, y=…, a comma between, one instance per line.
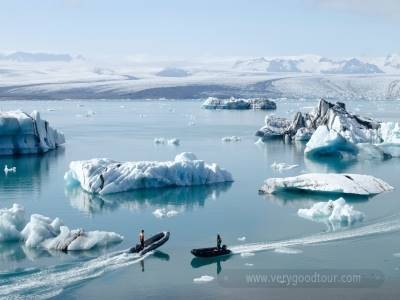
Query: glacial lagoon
x=125, y=131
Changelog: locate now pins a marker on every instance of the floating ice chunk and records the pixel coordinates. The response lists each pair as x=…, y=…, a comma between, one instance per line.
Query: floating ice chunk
x=105, y=176
x=396, y=254
x=43, y=232
x=370, y=151
x=286, y=250
x=231, y=139
x=174, y=142
x=232, y=103
x=89, y=113
x=303, y=134
x=9, y=170
x=51, y=109
x=165, y=213
x=12, y=221
x=163, y=141
x=274, y=127
x=203, y=279
x=356, y=184
x=280, y=167
x=21, y=133
x=241, y=239
x=246, y=254
x=248, y=264
x=159, y=141
x=337, y=211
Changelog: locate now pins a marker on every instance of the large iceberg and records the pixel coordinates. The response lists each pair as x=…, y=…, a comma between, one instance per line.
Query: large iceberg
x=106, y=176
x=23, y=133
x=336, y=213
x=43, y=232
x=233, y=103
x=353, y=184
x=331, y=130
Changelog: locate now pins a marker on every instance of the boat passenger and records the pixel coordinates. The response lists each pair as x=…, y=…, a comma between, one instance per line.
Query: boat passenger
x=141, y=238
x=219, y=241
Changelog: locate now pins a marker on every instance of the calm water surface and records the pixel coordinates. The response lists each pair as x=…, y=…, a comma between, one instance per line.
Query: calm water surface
x=124, y=130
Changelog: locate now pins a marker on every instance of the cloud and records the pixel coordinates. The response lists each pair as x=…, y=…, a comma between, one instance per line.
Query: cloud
x=384, y=8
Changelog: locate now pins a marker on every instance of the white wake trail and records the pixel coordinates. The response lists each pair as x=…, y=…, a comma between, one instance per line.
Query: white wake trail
x=371, y=229
x=50, y=282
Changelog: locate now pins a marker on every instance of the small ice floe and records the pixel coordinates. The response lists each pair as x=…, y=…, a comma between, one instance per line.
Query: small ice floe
x=396, y=254
x=286, y=250
x=246, y=254
x=330, y=183
x=164, y=213
x=241, y=239
x=89, y=113
x=248, y=264
x=203, y=279
x=280, y=167
x=9, y=170
x=163, y=141
x=336, y=212
x=51, y=109
x=232, y=138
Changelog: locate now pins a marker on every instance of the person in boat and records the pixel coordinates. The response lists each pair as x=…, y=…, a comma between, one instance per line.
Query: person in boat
x=219, y=242
x=141, y=238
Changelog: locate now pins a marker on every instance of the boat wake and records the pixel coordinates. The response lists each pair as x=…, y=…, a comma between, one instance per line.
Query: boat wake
x=390, y=225
x=46, y=283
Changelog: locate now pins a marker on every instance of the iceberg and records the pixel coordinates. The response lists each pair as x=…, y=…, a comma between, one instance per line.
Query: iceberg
x=333, y=212
x=232, y=138
x=165, y=213
x=106, y=176
x=23, y=133
x=163, y=141
x=280, y=167
x=331, y=183
x=330, y=129
x=233, y=103
x=43, y=232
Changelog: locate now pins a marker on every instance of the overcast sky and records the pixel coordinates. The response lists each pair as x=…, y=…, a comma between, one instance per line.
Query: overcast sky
x=189, y=28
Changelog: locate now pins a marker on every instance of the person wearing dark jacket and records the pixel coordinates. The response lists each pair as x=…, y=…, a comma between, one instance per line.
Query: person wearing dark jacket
x=219, y=241
x=141, y=238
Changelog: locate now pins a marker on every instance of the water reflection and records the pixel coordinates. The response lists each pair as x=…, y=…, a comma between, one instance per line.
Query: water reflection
x=15, y=252
x=181, y=198
x=306, y=199
x=199, y=262
x=31, y=171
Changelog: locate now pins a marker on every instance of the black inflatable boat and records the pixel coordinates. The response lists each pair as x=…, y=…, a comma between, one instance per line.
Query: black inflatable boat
x=152, y=243
x=211, y=252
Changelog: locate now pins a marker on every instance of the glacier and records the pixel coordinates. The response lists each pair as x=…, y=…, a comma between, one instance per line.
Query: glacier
x=106, y=176
x=337, y=213
x=330, y=183
x=50, y=234
x=23, y=133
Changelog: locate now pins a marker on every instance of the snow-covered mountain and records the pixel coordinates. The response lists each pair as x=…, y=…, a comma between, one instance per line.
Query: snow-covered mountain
x=36, y=57
x=309, y=64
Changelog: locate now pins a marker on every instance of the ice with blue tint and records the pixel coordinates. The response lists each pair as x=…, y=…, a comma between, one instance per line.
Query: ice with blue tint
x=23, y=133
x=106, y=176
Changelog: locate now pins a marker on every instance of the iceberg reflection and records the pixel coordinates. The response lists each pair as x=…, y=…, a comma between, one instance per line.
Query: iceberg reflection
x=179, y=198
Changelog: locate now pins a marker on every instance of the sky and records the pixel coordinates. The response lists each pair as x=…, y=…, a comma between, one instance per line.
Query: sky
x=201, y=28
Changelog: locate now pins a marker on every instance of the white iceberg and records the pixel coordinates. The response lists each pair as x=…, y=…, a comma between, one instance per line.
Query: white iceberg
x=162, y=141
x=233, y=103
x=9, y=170
x=203, y=279
x=241, y=239
x=355, y=184
x=23, y=133
x=43, y=232
x=280, y=167
x=165, y=213
x=337, y=211
x=232, y=138
x=274, y=127
x=106, y=176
